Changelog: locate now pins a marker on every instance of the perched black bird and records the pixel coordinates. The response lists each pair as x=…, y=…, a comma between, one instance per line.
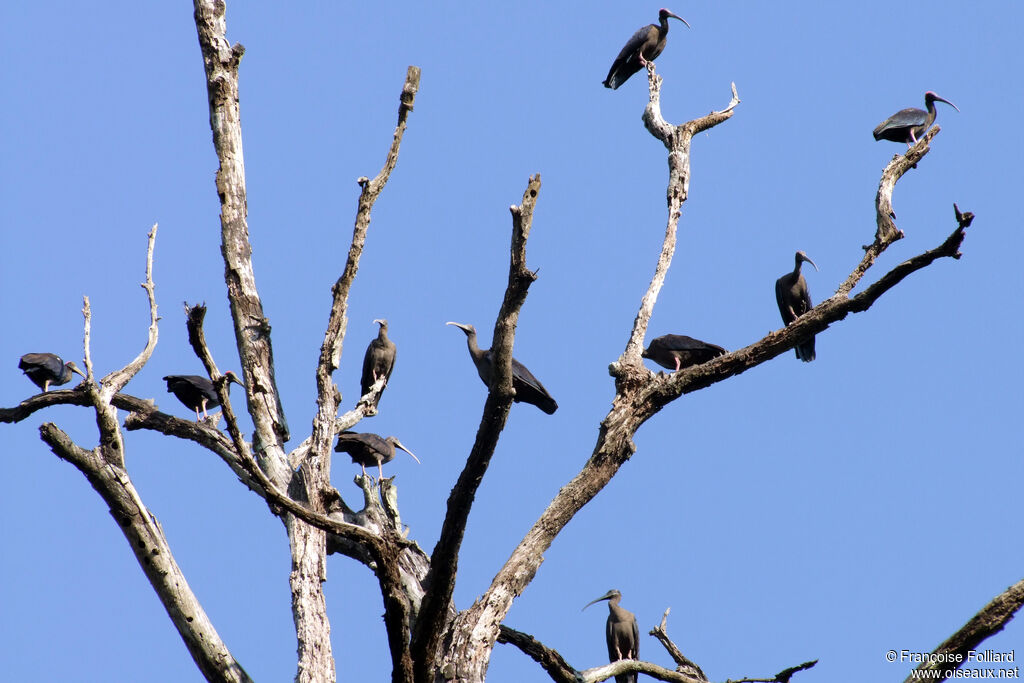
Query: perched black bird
x=368, y=449
x=645, y=46
x=908, y=125
x=45, y=369
x=794, y=300
x=379, y=360
x=197, y=392
x=620, y=632
x=676, y=351
x=528, y=388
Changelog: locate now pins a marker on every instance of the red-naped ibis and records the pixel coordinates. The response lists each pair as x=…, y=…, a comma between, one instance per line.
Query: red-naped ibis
x=620, y=632
x=908, y=125
x=676, y=351
x=645, y=46
x=197, y=392
x=368, y=449
x=379, y=360
x=528, y=388
x=794, y=300
x=45, y=369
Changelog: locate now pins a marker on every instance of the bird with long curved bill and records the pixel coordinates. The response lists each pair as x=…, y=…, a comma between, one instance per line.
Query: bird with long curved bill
x=644, y=46
x=621, y=633
x=527, y=387
x=379, y=361
x=368, y=449
x=197, y=392
x=794, y=300
x=45, y=369
x=910, y=124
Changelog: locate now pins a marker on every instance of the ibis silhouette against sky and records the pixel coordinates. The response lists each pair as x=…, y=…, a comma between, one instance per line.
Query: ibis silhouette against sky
x=794, y=300
x=47, y=368
x=645, y=46
x=908, y=125
x=528, y=388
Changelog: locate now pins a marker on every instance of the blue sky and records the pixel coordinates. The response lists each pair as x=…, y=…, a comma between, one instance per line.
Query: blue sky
x=867, y=501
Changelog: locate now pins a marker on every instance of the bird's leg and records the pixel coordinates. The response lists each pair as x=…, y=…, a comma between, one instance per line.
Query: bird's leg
x=380, y=468
x=640, y=58
x=46, y=385
x=205, y=416
x=197, y=415
x=677, y=364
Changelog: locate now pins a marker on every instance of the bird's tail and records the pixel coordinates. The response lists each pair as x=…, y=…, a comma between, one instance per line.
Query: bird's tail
x=548, y=405
x=805, y=351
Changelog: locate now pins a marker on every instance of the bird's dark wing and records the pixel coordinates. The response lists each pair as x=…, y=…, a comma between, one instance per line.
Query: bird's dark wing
x=609, y=637
x=49, y=362
x=805, y=296
x=904, y=118
x=530, y=390
x=635, y=42
x=366, y=381
x=681, y=342
x=625, y=65
x=780, y=297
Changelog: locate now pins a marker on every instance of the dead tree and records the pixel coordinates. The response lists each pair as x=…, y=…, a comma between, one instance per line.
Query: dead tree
x=430, y=639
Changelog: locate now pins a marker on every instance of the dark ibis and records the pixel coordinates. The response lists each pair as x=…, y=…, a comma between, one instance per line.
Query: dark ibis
x=645, y=46
x=379, y=360
x=908, y=125
x=528, y=388
x=676, y=351
x=45, y=369
x=197, y=392
x=370, y=449
x=620, y=632
x=794, y=300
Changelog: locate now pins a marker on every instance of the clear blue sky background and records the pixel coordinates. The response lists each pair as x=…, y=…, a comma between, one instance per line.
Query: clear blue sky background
x=868, y=501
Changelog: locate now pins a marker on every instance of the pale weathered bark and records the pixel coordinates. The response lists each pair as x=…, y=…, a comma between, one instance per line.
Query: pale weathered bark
x=147, y=541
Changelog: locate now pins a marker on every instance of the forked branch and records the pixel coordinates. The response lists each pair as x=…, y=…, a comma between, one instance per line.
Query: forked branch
x=614, y=445
x=444, y=560
x=677, y=140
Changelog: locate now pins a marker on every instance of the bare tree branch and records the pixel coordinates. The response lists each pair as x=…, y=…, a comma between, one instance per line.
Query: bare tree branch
x=147, y=541
x=252, y=329
x=887, y=232
x=683, y=663
x=677, y=140
x=444, y=560
x=623, y=666
x=550, y=660
x=782, y=677
x=114, y=382
x=663, y=389
x=562, y=672
x=992, y=618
